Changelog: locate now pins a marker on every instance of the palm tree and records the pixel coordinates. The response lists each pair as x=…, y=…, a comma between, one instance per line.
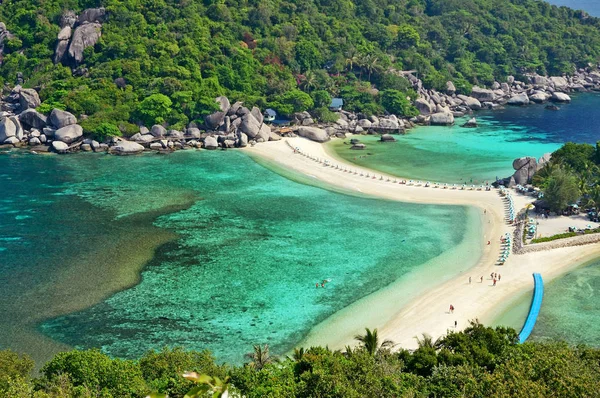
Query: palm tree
x=427, y=342
x=260, y=357
x=298, y=354
x=370, y=64
x=351, y=58
x=309, y=81
x=370, y=342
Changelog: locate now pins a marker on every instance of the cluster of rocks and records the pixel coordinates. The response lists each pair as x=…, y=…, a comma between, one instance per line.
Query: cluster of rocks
x=21, y=124
x=441, y=108
x=525, y=168
x=233, y=126
x=78, y=33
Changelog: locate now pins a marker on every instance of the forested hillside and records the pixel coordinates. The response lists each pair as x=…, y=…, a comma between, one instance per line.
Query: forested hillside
x=178, y=55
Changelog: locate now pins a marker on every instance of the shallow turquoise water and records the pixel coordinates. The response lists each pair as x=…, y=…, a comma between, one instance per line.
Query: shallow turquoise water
x=242, y=271
x=457, y=155
x=570, y=309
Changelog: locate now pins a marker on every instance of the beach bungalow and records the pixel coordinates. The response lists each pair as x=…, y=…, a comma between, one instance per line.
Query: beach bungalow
x=336, y=105
x=269, y=115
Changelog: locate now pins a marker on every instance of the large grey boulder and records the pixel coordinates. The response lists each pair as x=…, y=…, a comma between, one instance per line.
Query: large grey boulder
x=175, y=134
x=560, y=97
x=142, y=138
x=364, y=123
x=210, y=142
x=539, y=97
x=7, y=129
x=194, y=132
x=60, y=51
x=19, y=132
x=68, y=134
x=257, y=114
x=28, y=98
x=59, y=118
x=123, y=147
x=559, y=82
x=472, y=103
x=390, y=123
x=213, y=121
x=519, y=99
x=250, y=125
x=59, y=146
x=234, y=108
x=92, y=15
x=224, y=103
x=33, y=119
x=538, y=80
x=423, y=106
x=450, y=88
x=33, y=141
x=442, y=119
x=158, y=131
x=525, y=169
x=68, y=18
x=242, y=140
x=65, y=33
x=313, y=134
x=483, y=94
x=11, y=141
x=86, y=35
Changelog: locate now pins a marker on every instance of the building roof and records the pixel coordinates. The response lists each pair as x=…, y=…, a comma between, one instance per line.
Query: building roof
x=270, y=112
x=336, y=103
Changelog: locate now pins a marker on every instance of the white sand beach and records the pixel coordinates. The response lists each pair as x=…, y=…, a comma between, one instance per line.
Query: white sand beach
x=402, y=320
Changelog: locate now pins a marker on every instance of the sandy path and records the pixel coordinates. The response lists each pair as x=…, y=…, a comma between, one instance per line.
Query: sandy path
x=429, y=312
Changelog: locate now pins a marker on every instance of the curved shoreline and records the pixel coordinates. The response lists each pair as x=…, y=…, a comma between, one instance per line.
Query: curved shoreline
x=427, y=313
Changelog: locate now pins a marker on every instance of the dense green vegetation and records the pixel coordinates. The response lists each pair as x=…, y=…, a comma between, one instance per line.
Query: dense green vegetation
x=479, y=362
x=166, y=60
x=571, y=176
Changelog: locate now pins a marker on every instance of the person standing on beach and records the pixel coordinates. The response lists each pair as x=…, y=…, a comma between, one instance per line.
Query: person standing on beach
x=455, y=324
x=494, y=282
x=481, y=280
x=469, y=280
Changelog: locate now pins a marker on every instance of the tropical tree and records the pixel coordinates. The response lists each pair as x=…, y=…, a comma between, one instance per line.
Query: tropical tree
x=371, y=64
x=561, y=190
x=370, y=342
x=260, y=357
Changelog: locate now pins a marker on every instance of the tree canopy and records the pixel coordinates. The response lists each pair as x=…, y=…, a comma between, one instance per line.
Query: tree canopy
x=478, y=362
x=259, y=51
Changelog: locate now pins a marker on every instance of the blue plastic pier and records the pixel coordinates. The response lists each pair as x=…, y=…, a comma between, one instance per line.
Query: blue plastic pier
x=536, y=305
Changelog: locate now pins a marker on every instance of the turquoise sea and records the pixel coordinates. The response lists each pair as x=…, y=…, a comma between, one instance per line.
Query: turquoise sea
x=456, y=154
x=229, y=252
x=570, y=309
x=214, y=250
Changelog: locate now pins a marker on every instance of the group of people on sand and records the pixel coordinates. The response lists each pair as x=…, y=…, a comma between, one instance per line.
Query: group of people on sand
x=494, y=276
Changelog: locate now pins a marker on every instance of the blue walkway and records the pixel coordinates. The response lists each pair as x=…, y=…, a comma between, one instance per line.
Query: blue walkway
x=536, y=305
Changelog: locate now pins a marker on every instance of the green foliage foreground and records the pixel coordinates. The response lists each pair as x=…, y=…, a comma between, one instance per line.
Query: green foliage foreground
x=478, y=362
